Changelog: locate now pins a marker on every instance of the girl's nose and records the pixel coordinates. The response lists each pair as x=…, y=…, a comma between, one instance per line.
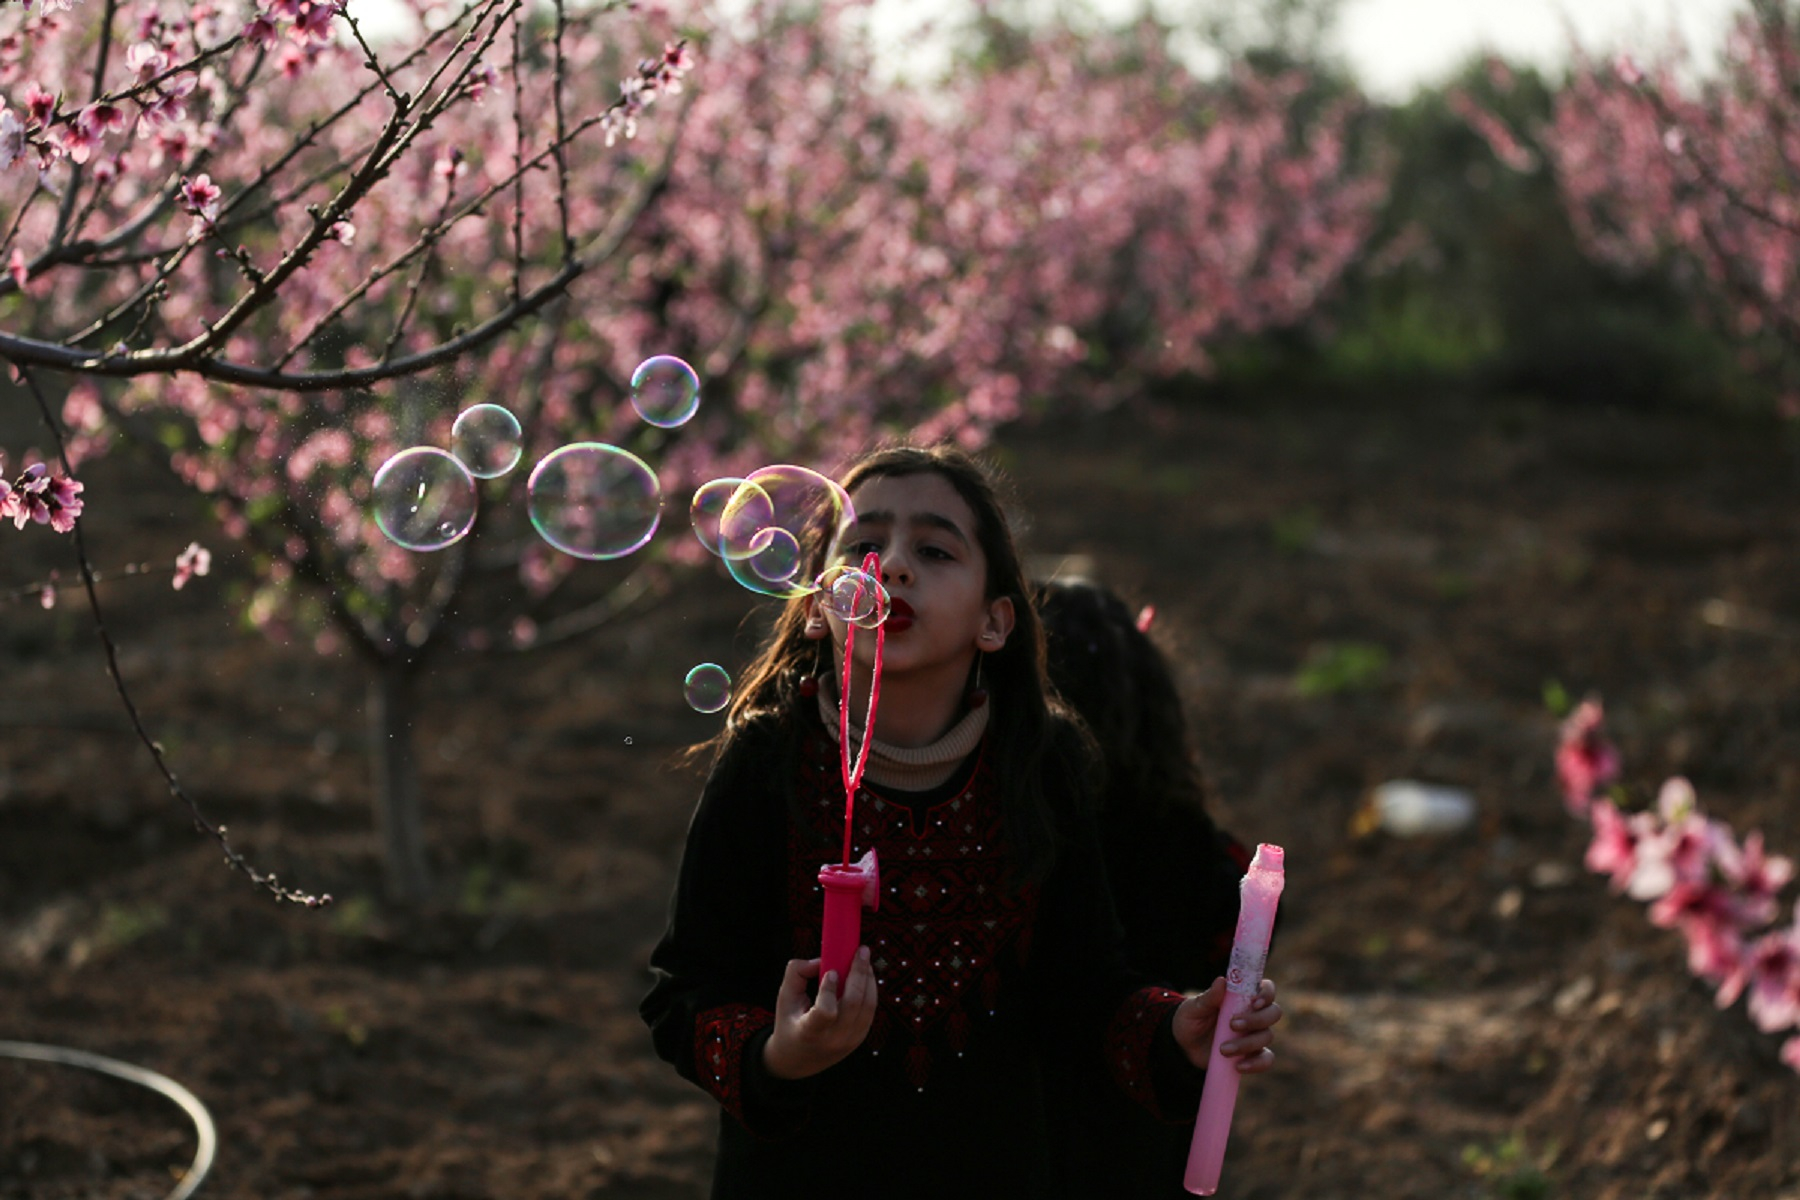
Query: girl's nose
x=895, y=568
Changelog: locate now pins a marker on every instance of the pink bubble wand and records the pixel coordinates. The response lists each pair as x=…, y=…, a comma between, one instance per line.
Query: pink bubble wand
x=851, y=887
x=1258, y=894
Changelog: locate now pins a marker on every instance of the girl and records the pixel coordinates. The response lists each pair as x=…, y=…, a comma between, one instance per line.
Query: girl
x=1175, y=874
x=995, y=936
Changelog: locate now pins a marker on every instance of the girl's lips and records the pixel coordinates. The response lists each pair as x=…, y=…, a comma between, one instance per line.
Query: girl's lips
x=900, y=615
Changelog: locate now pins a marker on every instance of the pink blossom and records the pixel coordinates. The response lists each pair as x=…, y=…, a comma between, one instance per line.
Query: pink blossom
x=313, y=23
x=46, y=498
x=261, y=31
x=201, y=196
x=1613, y=852
x=1773, y=969
x=1585, y=761
x=74, y=140
x=146, y=60
x=1790, y=1052
x=1755, y=878
x=195, y=560
x=1714, y=947
x=342, y=232
x=39, y=105
x=16, y=267
x=1677, y=853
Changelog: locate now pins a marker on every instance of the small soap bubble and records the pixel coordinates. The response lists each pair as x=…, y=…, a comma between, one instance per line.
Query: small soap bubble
x=486, y=439
x=708, y=688
x=777, y=511
x=853, y=595
x=424, y=499
x=777, y=557
x=708, y=506
x=665, y=391
x=593, y=500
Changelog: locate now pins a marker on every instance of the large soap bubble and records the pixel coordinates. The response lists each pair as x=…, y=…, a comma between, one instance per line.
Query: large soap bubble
x=593, y=500
x=424, y=499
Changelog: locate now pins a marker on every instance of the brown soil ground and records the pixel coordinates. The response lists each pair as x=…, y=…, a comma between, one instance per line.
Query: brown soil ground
x=1469, y=1015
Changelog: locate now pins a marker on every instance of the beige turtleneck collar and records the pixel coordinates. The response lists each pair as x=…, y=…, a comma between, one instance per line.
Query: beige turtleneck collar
x=914, y=769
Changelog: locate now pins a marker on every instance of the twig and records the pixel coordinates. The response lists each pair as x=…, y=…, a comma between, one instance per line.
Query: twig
x=269, y=882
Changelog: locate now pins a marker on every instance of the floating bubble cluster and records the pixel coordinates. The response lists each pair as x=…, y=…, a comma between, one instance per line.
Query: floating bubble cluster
x=594, y=501
x=853, y=595
x=486, y=438
x=665, y=391
x=707, y=688
x=424, y=499
x=774, y=520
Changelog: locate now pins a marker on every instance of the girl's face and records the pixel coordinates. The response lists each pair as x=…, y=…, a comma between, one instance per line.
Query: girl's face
x=935, y=570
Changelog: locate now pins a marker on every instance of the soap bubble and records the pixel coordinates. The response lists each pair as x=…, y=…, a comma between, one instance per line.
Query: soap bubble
x=853, y=595
x=424, y=499
x=708, y=688
x=708, y=505
x=593, y=500
x=486, y=440
x=775, y=513
x=776, y=558
x=665, y=391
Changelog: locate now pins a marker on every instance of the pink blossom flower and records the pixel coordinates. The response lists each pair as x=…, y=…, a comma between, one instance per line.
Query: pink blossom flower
x=195, y=560
x=75, y=141
x=261, y=31
x=1613, y=852
x=102, y=118
x=313, y=23
x=40, y=496
x=482, y=78
x=39, y=105
x=146, y=60
x=1714, y=947
x=1755, y=878
x=1790, y=1052
x=342, y=232
x=1679, y=852
x=1773, y=970
x=1585, y=761
x=200, y=196
x=15, y=266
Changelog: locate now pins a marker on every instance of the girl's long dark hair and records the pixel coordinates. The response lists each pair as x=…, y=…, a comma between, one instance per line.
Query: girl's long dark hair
x=1024, y=727
x=1119, y=682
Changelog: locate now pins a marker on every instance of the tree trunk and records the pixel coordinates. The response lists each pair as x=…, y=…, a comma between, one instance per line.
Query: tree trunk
x=399, y=811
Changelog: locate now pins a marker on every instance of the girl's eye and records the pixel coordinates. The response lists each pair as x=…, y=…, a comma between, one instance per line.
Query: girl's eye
x=861, y=550
x=937, y=552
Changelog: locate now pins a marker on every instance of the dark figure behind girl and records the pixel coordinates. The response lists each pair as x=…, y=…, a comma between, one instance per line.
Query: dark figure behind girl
x=1174, y=873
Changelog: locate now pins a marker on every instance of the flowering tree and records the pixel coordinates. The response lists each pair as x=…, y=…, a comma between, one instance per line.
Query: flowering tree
x=1656, y=168
x=840, y=258
x=255, y=214
x=1699, y=879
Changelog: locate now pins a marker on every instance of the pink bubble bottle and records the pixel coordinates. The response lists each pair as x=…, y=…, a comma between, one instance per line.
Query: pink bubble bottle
x=1258, y=894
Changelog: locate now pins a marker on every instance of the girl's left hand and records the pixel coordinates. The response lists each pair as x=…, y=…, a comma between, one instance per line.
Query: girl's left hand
x=1254, y=1027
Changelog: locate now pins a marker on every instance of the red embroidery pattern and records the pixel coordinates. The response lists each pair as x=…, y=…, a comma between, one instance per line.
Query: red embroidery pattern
x=720, y=1035
x=947, y=919
x=1129, y=1037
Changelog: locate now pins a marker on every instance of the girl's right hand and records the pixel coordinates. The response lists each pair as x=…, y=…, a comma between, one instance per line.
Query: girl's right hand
x=809, y=1037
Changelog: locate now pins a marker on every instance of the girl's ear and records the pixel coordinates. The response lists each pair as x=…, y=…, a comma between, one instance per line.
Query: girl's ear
x=815, y=628
x=998, y=626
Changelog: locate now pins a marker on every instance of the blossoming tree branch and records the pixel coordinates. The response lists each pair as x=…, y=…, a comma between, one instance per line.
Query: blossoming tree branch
x=839, y=256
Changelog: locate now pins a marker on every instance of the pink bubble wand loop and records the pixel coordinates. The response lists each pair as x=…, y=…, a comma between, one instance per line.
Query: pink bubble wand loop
x=1258, y=894
x=851, y=887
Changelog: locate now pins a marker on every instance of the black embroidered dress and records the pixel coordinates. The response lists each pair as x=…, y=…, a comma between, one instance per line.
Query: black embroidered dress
x=945, y=1097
